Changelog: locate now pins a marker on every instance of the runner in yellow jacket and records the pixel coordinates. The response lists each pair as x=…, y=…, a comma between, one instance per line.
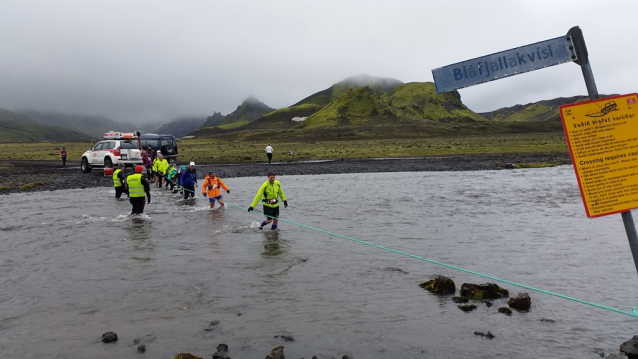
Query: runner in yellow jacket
x=268, y=193
x=160, y=166
x=211, y=187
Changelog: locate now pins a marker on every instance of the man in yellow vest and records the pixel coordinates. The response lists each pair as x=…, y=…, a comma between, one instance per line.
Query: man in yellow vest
x=160, y=166
x=268, y=193
x=138, y=188
x=119, y=182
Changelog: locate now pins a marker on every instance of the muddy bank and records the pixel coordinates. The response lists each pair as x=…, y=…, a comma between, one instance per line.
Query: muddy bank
x=51, y=175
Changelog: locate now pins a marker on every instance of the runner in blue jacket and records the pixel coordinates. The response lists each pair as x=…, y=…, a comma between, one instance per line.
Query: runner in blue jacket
x=189, y=181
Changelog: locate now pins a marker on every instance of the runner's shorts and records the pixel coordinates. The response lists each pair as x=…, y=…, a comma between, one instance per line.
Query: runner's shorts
x=272, y=212
x=212, y=199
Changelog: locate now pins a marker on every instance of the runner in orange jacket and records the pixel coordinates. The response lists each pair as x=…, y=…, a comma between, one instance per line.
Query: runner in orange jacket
x=211, y=187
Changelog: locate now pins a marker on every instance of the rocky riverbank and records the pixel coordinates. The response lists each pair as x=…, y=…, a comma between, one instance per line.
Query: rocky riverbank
x=23, y=176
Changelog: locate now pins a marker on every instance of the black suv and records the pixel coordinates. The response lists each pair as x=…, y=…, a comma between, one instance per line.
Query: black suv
x=167, y=144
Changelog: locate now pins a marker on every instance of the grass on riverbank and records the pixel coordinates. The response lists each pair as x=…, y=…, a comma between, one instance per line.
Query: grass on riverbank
x=222, y=149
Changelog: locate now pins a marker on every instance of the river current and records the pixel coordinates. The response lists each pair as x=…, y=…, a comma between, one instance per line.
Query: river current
x=74, y=265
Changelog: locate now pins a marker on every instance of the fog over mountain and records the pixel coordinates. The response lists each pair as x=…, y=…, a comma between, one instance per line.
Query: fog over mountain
x=156, y=61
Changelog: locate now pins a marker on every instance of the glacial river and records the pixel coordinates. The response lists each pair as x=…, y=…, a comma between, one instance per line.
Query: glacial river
x=74, y=265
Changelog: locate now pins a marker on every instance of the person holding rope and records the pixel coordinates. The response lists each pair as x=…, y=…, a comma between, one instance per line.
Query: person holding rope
x=268, y=193
x=138, y=187
x=189, y=181
x=119, y=181
x=211, y=187
x=160, y=166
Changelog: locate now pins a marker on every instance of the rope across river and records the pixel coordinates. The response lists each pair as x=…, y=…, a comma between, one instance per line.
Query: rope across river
x=633, y=312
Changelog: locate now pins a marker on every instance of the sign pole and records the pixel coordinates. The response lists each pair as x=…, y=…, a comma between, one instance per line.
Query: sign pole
x=575, y=34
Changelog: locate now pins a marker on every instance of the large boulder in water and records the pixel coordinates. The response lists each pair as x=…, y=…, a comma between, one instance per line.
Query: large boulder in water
x=483, y=291
x=277, y=353
x=439, y=285
x=521, y=302
x=109, y=337
x=222, y=352
x=630, y=348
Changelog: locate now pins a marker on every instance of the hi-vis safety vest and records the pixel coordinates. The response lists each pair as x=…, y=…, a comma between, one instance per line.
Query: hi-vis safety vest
x=116, y=181
x=135, y=186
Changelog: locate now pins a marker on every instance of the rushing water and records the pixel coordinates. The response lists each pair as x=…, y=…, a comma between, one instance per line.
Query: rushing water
x=73, y=265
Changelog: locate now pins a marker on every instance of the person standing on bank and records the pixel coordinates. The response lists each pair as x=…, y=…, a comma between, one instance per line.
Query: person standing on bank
x=269, y=153
x=268, y=194
x=138, y=187
x=63, y=154
x=211, y=187
x=189, y=181
x=118, y=181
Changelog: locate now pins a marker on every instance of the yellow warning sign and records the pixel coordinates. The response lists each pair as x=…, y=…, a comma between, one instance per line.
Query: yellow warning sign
x=603, y=141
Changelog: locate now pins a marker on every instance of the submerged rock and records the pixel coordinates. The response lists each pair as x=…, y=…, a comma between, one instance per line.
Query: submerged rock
x=222, y=349
x=489, y=334
x=630, y=348
x=505, y=310
x=521, y=302
x=439, y=285
x=286, y=338
x=483, y=291
x=277, y=353
x=109, y=337
x=467, y=308
x=186, y=356
x=460, y=299
x=141, y=348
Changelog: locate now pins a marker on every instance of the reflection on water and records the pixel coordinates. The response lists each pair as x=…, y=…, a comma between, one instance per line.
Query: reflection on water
x=74, y=265
x=272, y=244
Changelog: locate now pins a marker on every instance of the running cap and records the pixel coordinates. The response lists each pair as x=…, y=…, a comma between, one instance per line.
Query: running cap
x=271, y=174
x=176, y=163
x=159, y=151
x=192, y=164
x=139, y=169
x=211, y=172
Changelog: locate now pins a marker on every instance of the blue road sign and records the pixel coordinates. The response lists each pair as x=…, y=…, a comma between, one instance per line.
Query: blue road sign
x=503, y=64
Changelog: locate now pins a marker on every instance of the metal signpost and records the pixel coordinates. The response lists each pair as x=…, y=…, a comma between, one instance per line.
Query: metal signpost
x=600, y=133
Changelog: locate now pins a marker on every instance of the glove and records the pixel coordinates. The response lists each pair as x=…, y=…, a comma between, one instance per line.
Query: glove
x=285, y=204
x=250, y=209
x=204, y=194
x=210, y=187
x=149, y=201
x=228, y=191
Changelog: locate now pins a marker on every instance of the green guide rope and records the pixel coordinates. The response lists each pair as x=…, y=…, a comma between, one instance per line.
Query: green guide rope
x=633, y=313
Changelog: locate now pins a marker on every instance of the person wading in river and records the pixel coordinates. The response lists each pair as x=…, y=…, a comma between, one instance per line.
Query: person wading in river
x=189, y=181
x=211, y=187
x=138, y=187
x=268, y=194
x=119, y=182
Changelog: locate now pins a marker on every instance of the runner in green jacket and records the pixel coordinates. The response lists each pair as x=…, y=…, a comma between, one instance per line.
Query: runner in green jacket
x=268, y=193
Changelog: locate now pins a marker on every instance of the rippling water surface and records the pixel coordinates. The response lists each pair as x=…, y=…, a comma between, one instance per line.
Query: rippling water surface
x=73, y=265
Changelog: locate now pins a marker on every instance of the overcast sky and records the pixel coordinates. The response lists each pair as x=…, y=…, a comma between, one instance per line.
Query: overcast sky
x=157, y=60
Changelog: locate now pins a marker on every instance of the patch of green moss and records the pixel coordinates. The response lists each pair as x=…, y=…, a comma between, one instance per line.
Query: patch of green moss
x=31, y=185
x=536, y=165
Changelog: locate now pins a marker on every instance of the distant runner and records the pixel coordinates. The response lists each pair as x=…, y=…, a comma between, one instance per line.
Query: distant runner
x=63, y=154
x=138, y=186
x=268, y=193
x=211, y=187
x=269, y=153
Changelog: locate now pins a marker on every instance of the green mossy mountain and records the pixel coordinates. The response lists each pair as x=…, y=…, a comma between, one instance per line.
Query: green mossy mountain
x=250, y=110
x=415, y=102
x=541, y=111
x=378, y=85
x=20, y=128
